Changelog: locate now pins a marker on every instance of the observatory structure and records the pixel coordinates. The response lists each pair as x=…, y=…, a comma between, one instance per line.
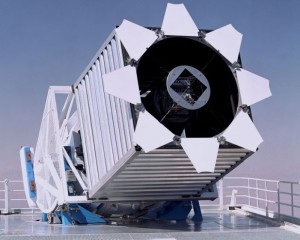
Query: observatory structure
x=155, y=120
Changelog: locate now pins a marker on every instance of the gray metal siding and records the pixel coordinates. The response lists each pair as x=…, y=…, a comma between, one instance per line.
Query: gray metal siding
x=106, y=121
x=163, y=174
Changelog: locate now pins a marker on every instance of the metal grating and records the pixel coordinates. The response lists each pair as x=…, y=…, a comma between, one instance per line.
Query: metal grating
x=163, y=174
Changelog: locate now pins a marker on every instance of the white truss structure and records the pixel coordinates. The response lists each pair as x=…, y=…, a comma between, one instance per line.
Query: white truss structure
x=50, y=154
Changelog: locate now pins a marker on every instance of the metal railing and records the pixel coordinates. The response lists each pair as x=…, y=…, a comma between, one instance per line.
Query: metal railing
x=271, y=198
x=292, y=191
x=256, y=192
x=276, y=199
x=12, y=197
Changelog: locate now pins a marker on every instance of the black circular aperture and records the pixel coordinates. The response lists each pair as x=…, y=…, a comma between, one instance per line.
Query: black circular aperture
x=153, y=69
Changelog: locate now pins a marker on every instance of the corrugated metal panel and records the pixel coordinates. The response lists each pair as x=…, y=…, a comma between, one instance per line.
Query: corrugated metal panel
x=86, y=125
x=162, y=174
x=106, y=121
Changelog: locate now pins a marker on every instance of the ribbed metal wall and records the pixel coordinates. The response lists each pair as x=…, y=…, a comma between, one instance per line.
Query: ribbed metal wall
x=106, y=121
x=164, y=174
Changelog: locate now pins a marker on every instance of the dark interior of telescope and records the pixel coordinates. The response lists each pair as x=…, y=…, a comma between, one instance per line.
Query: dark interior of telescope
x=153, y=69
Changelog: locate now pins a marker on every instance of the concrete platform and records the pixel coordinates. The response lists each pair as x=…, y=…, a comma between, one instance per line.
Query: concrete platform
x=216, y=225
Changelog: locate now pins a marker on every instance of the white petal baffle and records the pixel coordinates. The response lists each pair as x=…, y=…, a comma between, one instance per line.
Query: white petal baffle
x=243, y=133
x=150, y=133
x=123, y=83
x=227, y=41
x=177, y=21
x=202, y=152
x=135, y=38
x=253, y=88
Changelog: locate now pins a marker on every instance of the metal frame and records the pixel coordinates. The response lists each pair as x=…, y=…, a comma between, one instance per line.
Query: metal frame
x=54, y=131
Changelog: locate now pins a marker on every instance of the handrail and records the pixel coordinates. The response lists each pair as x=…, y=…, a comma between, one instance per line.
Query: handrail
x=262, y=194
x=13, y=192
x=253, y=188
x=243, y=196
x=259, y=192
x=290, y=182
x=248, y=178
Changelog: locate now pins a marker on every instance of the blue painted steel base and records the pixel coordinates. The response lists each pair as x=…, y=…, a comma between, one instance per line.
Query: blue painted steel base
x=44, y=217
x=197, y=210
x=168, y=211
x=77, y=214
x=175, y=210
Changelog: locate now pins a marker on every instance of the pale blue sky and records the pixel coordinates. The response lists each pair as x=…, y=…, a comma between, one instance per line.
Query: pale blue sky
x=50, y=42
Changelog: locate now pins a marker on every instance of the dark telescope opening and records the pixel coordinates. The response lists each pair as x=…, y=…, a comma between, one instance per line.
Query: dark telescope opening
x=153, y=69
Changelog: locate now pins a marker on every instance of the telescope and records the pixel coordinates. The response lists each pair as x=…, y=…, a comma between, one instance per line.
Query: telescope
x=156, y=119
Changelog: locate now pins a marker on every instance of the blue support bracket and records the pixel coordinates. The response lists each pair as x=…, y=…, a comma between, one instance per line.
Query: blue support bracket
x=171, y=210
x=44, y=217
x=197, y=210
x=175, y=210
x=77, y=214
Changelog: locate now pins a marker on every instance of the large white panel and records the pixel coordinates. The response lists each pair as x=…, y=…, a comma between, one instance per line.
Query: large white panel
x=111, y=109
x=120, y=116
x=227, y=40
x=83, y=134
x=253, y=88
x=177, y=21
x=108, y=63
x=96, y=131
x=123, y=83
x=86, y=120
x=126, y=109
x=202, y=152
x=135, y=38
x=243, y=133
x=103, y=116
x=150, y=133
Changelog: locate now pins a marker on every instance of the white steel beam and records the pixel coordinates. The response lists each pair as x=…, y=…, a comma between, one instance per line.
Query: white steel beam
x=75, y=171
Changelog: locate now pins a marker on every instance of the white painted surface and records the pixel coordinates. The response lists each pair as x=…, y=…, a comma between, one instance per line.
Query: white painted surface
x=135, y=38
x=202, y=152
x=253, y=88
x=227, y=40
x=123, y=83
x=150, y=133
x=243, y=133
x=177, y=21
